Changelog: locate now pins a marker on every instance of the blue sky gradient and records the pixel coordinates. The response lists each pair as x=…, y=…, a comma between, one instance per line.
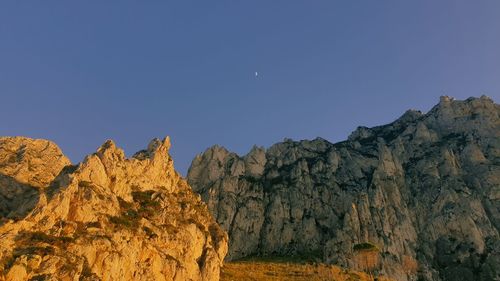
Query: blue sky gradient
x=82, y=72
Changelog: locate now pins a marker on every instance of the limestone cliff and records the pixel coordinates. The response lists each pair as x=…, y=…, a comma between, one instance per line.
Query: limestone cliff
x=108, y=218
x=424, y=189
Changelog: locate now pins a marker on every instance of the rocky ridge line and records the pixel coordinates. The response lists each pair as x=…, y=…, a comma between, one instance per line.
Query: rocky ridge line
x=425, y=189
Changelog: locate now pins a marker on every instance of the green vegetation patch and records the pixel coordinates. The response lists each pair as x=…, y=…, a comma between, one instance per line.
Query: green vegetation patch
x=149, y=232
x=124, y=205
x=31, y=238
x=365, y=246
x=126, y=221
x=86, y=184
x=41, y=277
x=94, y=224
x=87, y=273
x=32, y=243
x=143, y=206
x=147, y=206
x=26, y=250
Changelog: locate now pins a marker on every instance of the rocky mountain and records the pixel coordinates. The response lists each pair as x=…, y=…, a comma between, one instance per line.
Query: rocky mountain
x=425, y=190
x=108, y=218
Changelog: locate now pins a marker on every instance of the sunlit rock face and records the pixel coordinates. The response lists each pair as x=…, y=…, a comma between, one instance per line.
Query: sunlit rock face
x=424, y=188
x=108, y=218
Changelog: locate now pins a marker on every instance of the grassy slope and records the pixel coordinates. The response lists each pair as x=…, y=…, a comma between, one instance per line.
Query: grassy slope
x=279, y=270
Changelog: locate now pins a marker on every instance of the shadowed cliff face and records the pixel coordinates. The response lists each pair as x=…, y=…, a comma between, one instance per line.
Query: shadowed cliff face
x=26, y=166
x=109, y=218
x=424, y=189
x=16, y=199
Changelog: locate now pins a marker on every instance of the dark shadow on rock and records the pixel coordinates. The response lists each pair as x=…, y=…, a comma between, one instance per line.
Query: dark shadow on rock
x=16, y=199
x=61, y=180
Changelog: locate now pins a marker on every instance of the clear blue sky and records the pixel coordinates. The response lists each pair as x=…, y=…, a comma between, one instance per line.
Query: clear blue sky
x=80, y=72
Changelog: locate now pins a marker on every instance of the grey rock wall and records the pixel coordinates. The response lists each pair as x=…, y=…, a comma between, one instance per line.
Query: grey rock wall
x=424, y=188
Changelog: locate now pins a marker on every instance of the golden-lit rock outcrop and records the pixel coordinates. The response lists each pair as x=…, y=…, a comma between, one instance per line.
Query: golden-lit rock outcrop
x=108, y=218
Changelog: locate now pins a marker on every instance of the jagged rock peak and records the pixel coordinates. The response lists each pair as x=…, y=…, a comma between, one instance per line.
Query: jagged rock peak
x=446, y=99
x=470, y=104
x=109, y=218
x=150, y=168
x=410, y=115
x=447, y=116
